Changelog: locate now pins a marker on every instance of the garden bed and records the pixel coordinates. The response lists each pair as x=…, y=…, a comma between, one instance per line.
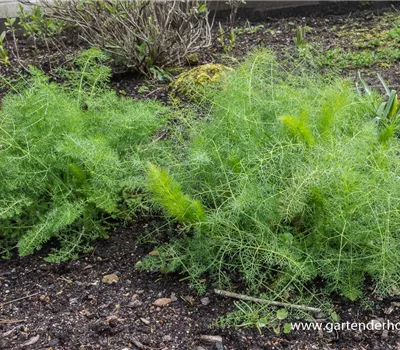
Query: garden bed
x=68, y=306
x=71, y=308
x=327, y=30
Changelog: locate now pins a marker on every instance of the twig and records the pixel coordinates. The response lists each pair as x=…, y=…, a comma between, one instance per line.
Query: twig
x=265, y=301
x=138, y=344
x=4, y=321
x=22, y=298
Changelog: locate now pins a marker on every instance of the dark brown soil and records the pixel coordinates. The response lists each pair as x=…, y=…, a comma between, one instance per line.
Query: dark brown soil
x=71, y=308
x=67, y=306
x=324, y=32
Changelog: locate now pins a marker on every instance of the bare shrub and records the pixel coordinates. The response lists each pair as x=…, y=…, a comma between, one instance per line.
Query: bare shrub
x=142, y=35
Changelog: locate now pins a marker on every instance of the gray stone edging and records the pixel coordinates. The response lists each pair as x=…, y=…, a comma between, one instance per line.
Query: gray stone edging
x=9, y=8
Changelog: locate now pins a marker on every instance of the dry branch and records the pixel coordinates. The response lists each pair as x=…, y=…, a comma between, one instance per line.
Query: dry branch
x=15, y=300
x=5, y=321
x=142, y=34
x=265, y=301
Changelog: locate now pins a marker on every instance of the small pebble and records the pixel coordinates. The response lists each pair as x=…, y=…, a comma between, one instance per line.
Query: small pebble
x=145, y=321
x=385, y=334
x=205, y=301
x=218, y=346
x=167, y=338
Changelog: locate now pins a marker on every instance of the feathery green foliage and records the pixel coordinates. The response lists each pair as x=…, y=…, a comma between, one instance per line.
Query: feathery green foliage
x=69, y=156
x=296, y=184
x=169, y=196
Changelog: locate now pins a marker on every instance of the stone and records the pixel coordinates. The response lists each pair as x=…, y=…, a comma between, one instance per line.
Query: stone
x=145, y=321
x=218, y=346
x=385, y=334
x=192, y=82
x=167, y=338
x=205, y=301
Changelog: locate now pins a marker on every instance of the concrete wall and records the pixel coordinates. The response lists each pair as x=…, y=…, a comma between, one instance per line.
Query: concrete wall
x=9, y=8
x=280, y=4
x=251, y=4
x=259, y=7
x=258, y=10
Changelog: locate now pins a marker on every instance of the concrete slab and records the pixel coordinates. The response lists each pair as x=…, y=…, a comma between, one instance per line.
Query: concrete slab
x=9, y=8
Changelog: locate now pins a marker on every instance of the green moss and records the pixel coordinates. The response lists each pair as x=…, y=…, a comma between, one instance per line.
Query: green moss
x=193, y=59
x=191, y=83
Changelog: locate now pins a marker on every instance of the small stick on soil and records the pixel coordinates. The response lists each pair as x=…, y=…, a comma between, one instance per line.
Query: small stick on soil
x=265, y=301
x=4, y=321
x=22, y=298
x=138, y=344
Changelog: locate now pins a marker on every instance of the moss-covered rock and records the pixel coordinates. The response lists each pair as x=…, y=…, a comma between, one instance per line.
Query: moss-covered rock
x=191, y=83
x=193, y=59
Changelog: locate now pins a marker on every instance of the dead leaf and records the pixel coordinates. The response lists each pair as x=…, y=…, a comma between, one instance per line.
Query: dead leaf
x=110, y=279
x=189, y=299
x=45, y=298
x=85, y=312
x=154, y=252
x=6, y=334
x=211, y=338
x=162, y=302
x=31, y=341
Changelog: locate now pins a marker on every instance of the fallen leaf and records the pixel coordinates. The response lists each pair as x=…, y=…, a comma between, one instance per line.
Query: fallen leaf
x=31, y=341
x=110, y=279
x=45, y=298
x=211, y=338
x=189, y=299
x=6, y=334
x=85, y=312
x=154, y=252
x=162, y=301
